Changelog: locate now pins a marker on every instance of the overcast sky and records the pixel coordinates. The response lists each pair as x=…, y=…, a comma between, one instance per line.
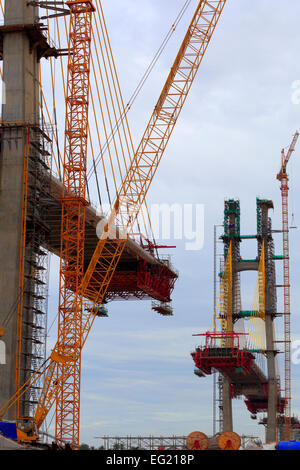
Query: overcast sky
x=137, y=374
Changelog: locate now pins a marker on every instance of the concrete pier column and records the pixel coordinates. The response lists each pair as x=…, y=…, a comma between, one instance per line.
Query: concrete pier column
x=21, y=75
x=270, y=304
x=227, y=407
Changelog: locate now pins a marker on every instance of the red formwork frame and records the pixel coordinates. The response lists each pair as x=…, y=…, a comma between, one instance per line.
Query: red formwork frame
x=231, y=358
x=157, y=280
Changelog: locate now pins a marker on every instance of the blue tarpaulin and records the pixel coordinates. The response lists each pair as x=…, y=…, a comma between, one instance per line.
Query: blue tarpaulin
x=8, y=430
x=288, y=445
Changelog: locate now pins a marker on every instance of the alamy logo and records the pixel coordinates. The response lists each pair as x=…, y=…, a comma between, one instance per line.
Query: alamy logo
x=2, y=353
x=169, y=222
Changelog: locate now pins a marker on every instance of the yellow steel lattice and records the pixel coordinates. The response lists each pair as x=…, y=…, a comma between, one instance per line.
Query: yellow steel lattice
x=222, y=318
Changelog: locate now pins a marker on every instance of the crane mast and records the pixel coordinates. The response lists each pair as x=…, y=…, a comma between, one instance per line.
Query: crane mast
x=283, y=178
x=62, y=369
x=73, y=203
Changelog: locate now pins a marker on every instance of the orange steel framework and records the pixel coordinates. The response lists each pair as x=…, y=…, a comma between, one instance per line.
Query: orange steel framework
x=62, y=369
x=73, y=203
x=283, y=178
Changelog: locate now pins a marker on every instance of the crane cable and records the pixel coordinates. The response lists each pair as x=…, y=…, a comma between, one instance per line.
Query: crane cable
x=105, y=47
x=115, y=128
x=54, y=125
x=142, y=82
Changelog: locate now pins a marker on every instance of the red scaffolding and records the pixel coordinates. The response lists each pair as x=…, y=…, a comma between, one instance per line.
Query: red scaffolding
x=222, y=352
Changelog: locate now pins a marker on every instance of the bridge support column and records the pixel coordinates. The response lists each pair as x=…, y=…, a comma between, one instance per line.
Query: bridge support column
x=227, y=407
x=271, y=431
x=265, y=231
x=21, y=80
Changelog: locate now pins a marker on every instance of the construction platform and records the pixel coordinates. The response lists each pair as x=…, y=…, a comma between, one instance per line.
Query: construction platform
x=239, y=366
x=38, y=39
x=139, y=274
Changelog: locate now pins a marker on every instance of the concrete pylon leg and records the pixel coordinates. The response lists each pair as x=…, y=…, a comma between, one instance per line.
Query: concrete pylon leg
x=21, y=75
x=271, y=308
x=271, y=434
x=272, y=415
x=227, y=407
